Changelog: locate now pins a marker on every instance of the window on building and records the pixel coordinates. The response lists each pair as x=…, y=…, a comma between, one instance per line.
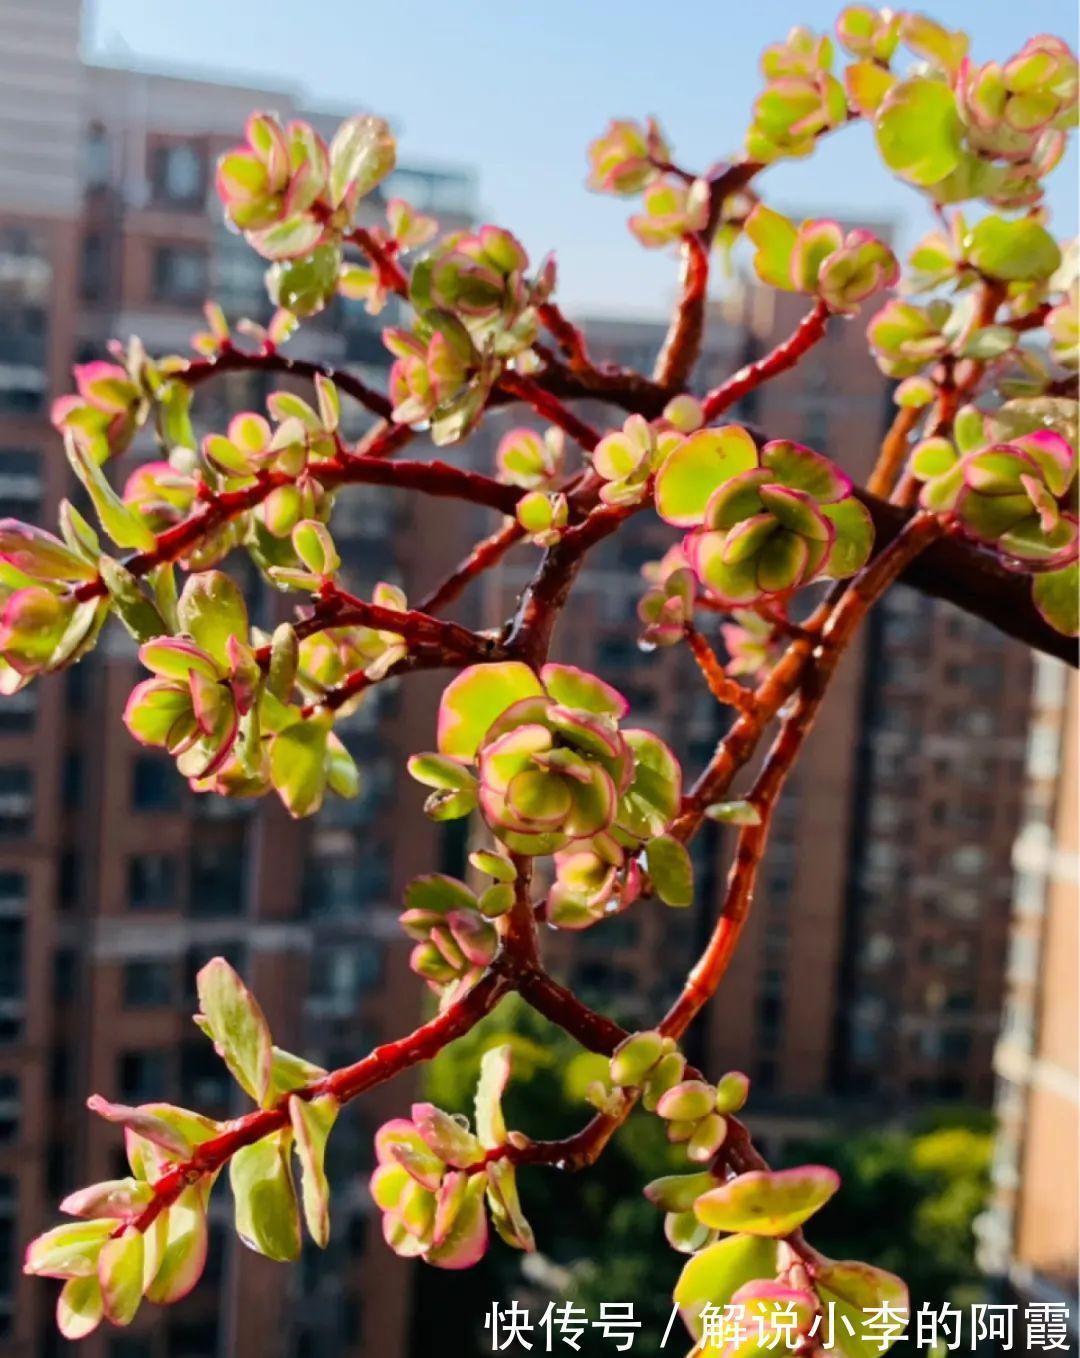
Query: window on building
x=205, y=1083
x=65, y=971
x=9, y=1108
x=346, y=886
x=968, y=860
x=14, y=892
x=12, y=976
x=148, y=984
x=153, y=881
x=133, y=1346
x=179, y=273
x=96, y=157
x=12, y=943
x=178, y=173
x=143, y=1076
x=71, y=790
x=8, y=1250
x=340, y=977
x=16, y=801
x=70, y=879
x=23, y=371
x=94, y=267
x=217, y=878
x=20, y=483
x=154, y=784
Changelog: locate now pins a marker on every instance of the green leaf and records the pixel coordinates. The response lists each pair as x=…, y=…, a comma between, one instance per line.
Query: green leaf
x=121, y=523
x=362, y=152
x=713, y=1276
x=70, y=1250
x=304, y=286
x=919, y=132
x=314, y=546
x=311, y=1122
x=854, y=539
x=734, y=813
x=298, y=764
x=183, y=1255
x=801, y=468
x=1013, y=250
x=1055, y=594
x=289, y=239
x=852, y=1291
x=40, y=555
x=237, y=1027
x=697, y=468
x=120, y=1273
x=573, y=687
x=505, y=1207
x=138, y=614
x=679, y=1192
x=493, y=864
x=289, y=1072
x=1025, y=415
x=772, y=1203
x=472, y=701
x=284, y=661
x=120, y=1198
x=672, y=873
x=176, y=1130
x=79, y=1308
x=267, y=1217
x=775, y=238
x=494, y=1073
x=78, y=534
x=211, y=608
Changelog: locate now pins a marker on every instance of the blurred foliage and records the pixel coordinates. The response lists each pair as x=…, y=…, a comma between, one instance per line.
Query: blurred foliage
x=908, y=1202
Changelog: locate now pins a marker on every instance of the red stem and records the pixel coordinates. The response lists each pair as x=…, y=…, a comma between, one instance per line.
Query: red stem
x=345, y=1084
x=786, y=354
x=683, y=342
x=391, y=275
x=550, y=407
x=229, y=359
x=432, y=478
x=483, y=556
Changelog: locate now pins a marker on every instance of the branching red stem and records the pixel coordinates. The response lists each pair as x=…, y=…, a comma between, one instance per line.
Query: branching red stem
x=786, y=354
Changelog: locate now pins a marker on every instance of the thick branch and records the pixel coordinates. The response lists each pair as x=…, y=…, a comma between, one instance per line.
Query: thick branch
x=961, y=573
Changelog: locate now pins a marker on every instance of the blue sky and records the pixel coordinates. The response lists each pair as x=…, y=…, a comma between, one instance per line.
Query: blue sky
x=517, y=88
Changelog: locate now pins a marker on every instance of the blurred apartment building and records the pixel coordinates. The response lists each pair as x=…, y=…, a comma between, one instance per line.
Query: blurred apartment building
x=1030, y=1238
x=116, y=883
x=872, y=968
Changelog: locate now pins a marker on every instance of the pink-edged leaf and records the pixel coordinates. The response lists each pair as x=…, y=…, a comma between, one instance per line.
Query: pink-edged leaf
x=698, y=467
x=184, y=1249
x=494, y=1074
x=120, y=1198
x=466, y=1240
x=573, y=687
x=68, y=1251
x=79, y=1307
x=472, y=701
x=120, y=1273
x=311, y=1121
x=771, y=1203
x=237, y=1026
